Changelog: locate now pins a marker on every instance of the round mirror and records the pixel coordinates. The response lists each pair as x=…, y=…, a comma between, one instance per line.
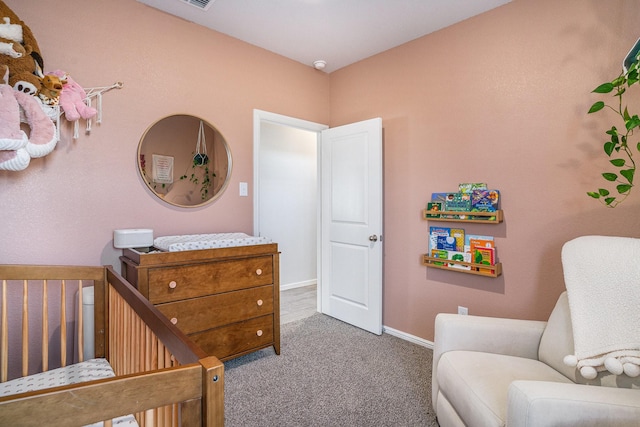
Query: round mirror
x=184, y=160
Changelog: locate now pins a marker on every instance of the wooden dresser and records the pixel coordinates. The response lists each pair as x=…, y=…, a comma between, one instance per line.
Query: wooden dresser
x=226, y=300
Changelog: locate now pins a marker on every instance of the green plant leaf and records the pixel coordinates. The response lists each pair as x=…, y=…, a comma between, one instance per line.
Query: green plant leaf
x=608, y=148
x=609, y=200
x=617, y=162
x=612, y=131
x=628, y=173
x=593, y=194
x=604, y=88
x=638, y=146
x=610, y=176
x=619, y=80
x=623, y=188
x=632, y=122
x=596, y=107
x=603, y=192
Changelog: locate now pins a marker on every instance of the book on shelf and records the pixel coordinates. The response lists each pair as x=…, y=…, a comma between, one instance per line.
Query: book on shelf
x=457, y=202
x=468, y=187
x=485, y=201
x=441, y=254
x=459, y=256
x=448, y=243
x=458, y=234
x=469, y=237
x=439, y=197
x=433, y=209
x=484, y=255
x=434, y=232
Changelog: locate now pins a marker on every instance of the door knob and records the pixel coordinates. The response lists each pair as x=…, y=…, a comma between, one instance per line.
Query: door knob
x=373, y=238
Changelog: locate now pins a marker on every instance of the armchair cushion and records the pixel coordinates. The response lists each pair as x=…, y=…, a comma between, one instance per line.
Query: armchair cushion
x=486, y=378
x=539, y=403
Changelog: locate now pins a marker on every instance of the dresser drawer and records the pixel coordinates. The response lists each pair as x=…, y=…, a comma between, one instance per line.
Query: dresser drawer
x=199, y=314
x=182, y=282
x=236, y=338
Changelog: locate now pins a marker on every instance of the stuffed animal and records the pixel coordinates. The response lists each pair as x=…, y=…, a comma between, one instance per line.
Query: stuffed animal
x=72, y=98
x=49, y=92
x=16, y=149
x=19, y=53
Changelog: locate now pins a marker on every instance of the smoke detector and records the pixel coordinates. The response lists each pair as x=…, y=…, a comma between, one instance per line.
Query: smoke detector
x=319, y=64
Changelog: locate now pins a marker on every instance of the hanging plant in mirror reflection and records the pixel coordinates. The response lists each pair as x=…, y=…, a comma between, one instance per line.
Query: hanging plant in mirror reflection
x=620, y=147
x=200, y=175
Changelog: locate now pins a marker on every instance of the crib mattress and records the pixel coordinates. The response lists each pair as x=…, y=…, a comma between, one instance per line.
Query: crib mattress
x=188, y=242
x=89, y=370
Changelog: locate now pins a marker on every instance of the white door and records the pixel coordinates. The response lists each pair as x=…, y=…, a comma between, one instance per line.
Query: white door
x=351, y=224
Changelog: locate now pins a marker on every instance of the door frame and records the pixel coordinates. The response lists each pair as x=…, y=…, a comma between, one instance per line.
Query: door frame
x=260, y=116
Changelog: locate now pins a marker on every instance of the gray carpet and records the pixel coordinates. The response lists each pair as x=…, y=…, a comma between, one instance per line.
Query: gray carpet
x=330, y=373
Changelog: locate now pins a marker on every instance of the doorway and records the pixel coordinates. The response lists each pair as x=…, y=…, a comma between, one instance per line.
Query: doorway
x=286, y=194
x=347, y=190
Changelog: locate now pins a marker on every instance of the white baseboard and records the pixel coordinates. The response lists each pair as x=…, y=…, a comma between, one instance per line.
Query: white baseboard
x=408, y=337
x=297, y=285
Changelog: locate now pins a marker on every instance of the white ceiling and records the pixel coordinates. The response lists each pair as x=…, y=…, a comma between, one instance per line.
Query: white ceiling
x=339, y=32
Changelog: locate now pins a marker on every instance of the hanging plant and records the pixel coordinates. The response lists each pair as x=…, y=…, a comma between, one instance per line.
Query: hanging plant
x=200, y=174
x=620, y=147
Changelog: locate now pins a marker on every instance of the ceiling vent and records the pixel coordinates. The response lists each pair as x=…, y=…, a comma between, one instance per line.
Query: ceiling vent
x=200, y=4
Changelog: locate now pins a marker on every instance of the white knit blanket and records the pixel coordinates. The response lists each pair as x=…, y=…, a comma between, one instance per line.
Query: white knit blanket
x=602, y=276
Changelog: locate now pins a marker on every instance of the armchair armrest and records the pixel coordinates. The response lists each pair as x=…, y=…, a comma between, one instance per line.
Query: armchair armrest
x=533, y=403
x=512, y=337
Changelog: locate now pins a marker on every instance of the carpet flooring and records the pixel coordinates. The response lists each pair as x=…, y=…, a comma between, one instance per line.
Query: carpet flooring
x=330, y=374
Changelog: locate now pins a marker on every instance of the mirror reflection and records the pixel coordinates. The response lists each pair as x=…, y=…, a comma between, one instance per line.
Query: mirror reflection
x=184, y=160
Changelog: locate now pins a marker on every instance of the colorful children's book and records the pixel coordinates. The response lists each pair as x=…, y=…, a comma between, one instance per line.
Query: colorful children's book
x=484, y=255
x=435, y=253
x=458, y=234
x=447, y=243
x=485, y=201
x=458, y=202
x=475, y=244
x=438, y=197
x=459, y=256
x=469, y=237
x=432, y=208
x=468, y=187
x=434, y=232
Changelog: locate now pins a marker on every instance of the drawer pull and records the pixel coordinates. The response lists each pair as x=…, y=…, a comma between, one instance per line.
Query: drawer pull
x=259, y=332
x=174, y=320
x=259, y=271
x=259, y=303
x=173, y=284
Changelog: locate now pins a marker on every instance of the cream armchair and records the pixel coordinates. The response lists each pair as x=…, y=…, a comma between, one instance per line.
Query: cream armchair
x=496, y=372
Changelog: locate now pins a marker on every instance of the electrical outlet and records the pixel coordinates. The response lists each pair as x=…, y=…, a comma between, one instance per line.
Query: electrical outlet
x=463, y=310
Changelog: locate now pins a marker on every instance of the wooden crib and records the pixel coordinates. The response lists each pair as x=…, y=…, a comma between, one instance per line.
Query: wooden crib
x=160, y=375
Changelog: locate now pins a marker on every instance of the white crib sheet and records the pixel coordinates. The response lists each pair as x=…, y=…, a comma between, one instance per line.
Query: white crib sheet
x=89, y=370
x=189, y=242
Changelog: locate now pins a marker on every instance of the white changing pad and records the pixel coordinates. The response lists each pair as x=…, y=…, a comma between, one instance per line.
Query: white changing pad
x=189, y=242
x=93, y=369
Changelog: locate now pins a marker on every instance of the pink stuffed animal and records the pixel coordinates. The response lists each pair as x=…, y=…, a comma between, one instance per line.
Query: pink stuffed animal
x=16, y=149
x=72, y=98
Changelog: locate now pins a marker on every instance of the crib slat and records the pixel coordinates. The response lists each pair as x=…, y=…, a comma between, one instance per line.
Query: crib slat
x=25, y=328
x=45, y=327
x=63, y=324
x=4, y=350
x=80, y=320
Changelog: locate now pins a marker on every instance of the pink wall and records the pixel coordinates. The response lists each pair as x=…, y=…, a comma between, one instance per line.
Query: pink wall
x=500, y=98
x=63, y=208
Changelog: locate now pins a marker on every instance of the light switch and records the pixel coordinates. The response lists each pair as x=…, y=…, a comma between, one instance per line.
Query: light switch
x=244, y=189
